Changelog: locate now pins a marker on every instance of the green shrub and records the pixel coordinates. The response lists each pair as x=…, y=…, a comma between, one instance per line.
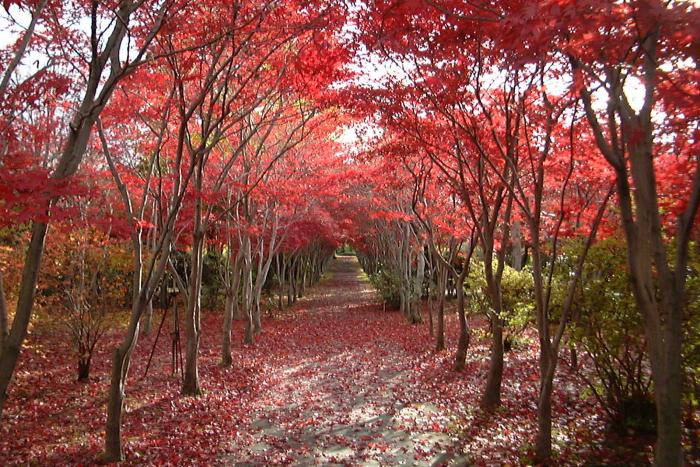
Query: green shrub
x=389, y=287
x=518, y=298
x=608, y=327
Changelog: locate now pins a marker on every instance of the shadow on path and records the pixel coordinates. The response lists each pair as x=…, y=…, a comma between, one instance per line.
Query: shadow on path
x=339, y=387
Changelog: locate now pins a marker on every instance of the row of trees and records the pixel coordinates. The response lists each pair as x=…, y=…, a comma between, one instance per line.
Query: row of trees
x=155, y=134
x=163, y=132
x=514, y=128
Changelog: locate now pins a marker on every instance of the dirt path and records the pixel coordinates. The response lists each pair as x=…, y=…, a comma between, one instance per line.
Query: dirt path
x=340, y=391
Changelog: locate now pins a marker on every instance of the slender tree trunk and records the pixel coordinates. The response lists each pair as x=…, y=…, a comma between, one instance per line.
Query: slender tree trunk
x=290, y=279
x=231, y=308
x=667, y=394
x=247, y=298
x=280, y=281
x=491, y=398
x=295, y=279
x=264, y=265
x=440, y=336
x=442, y=285
x=148, y=318
x=83, y=369
x=431, y=326
x=115, y=404
x=304, y=271
x=257, y=288
x=574, y=356
x=463, y=343
x=298, y=279
x=248, y=336
x=492, y=393
x=120, y=369
x=226, y=357
x=122, y=354
x=4, y=318
x=148, y=315
x=543, y=442
x=517, y=249
x=651, y=277
x=257, y=323
x=418, y=287
x=190, y=385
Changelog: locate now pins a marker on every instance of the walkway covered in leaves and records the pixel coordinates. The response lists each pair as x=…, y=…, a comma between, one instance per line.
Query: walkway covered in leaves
x=343, y=389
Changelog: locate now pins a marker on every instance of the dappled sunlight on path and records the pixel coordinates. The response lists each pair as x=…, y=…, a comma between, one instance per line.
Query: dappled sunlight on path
x=340, y=392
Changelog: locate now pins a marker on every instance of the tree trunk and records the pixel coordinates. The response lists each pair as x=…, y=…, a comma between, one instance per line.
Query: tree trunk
x=298, y=279
x=257, y=323
x=264, y=265
x=418, y=287
x=463, y=343
x=431, y=325
x=442, y=285
x=120, y=369
x=440, y=335
x=280, y=281
x=115, y=405
x=231, y=308
x=517, y=249
x=248, y=336
x=543, y=442
x=574, y=356
x=148, y=315
x=247, y=295
x=4, y=319
x=658, y=293
x=122, y=354
x=190, y=385
x=304, y=271
x=83, y=369
x=290, y=279
x=148, y=318
x=492, y=393
x=667, y=396
x=226, y=358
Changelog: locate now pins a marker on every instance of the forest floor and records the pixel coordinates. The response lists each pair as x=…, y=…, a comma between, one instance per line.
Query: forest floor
x=335, y=379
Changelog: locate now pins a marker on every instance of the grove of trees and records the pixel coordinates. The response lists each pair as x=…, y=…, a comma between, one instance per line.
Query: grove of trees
x=536, y=161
